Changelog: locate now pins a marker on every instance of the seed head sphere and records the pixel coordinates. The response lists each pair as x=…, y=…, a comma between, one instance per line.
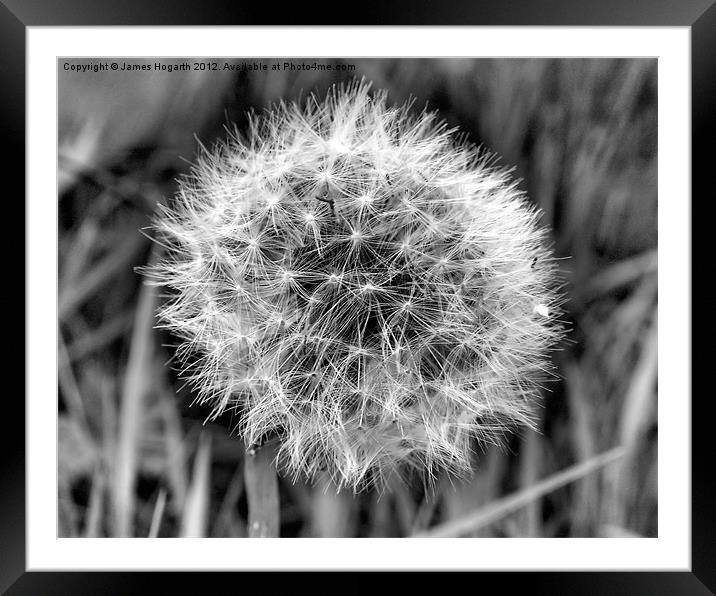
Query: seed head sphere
x=361, y=284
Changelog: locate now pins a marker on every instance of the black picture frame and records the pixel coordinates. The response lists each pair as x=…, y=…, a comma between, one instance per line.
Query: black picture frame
x=17, y=15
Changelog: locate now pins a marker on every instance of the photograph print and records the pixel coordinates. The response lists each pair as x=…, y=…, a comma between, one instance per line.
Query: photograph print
x=357, y=298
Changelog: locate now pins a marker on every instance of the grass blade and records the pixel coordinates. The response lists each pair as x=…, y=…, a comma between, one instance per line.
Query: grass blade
x=196, y=507
x=136, y=384
x=158, y=514
x=502, y=507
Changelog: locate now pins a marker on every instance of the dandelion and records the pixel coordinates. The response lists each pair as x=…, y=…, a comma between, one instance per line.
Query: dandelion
x=360, y=284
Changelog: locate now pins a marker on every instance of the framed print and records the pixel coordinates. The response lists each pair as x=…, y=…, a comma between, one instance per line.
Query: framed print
x=411, y=294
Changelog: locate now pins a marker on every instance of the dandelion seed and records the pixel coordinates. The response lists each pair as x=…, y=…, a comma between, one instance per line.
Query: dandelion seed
x=541, y=309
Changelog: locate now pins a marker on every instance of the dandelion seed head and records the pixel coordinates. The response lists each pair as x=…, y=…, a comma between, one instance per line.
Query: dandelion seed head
x=352, y=279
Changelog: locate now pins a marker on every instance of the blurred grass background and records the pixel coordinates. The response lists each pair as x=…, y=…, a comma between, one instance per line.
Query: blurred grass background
x=135, y=457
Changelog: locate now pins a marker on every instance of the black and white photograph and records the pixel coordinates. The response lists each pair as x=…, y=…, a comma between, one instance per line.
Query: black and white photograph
x=357, y=298
x=405, y=289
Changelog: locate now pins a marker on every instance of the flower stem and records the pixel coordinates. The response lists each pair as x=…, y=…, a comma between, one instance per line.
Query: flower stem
x=262, y=492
